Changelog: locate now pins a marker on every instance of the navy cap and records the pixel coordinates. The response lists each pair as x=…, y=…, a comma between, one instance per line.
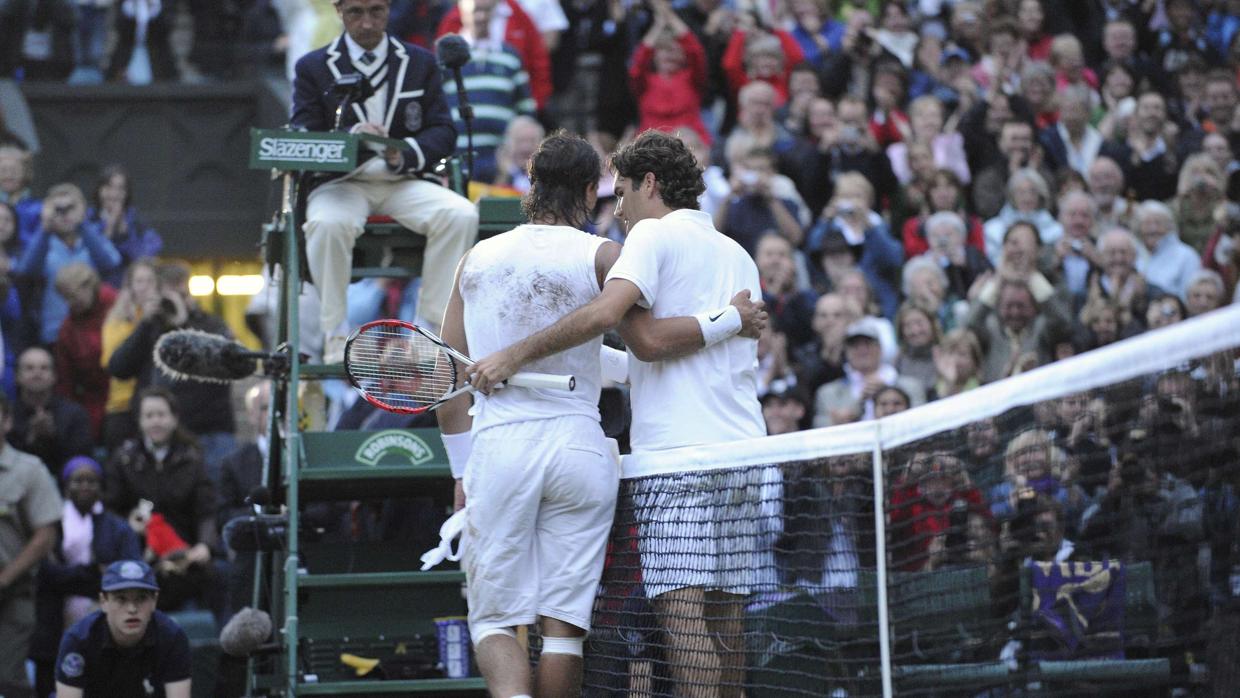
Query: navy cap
x=954, y=53
x=129, y=574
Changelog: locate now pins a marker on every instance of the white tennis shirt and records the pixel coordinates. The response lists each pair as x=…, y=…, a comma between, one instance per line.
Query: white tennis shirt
x=683, y=266
x=516, y=284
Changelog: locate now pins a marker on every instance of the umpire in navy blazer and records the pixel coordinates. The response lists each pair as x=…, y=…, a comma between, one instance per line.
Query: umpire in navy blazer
x=407, y=104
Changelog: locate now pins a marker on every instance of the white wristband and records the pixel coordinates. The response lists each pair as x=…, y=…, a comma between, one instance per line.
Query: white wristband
x=615, y=364
x=719, y=325
x=458, y=447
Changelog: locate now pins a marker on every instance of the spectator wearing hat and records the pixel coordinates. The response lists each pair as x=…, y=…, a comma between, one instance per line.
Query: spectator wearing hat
x=784, y=407
x=127, y=648
x=851, y=398
x=30, y=508
x=90, y=538
x=849, y=224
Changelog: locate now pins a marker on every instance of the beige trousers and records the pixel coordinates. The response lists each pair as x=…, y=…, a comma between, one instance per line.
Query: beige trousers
x=336, y=213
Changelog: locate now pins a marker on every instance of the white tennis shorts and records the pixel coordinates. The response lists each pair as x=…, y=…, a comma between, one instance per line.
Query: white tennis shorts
x=541, y=500
x=709, y=529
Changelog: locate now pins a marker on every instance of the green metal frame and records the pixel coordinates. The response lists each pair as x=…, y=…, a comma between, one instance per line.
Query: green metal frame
x=287, y=457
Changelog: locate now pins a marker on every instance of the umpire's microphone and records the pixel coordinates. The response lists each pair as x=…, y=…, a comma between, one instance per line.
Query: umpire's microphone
x=452, y=52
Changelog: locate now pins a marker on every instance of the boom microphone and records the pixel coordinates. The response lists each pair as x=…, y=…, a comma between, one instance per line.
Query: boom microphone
x=263, y=533
x=205, y=357
x=452, y=51
x=246, y=632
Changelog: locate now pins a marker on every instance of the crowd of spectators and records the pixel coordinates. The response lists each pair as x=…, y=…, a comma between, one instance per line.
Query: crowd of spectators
x=938, y=194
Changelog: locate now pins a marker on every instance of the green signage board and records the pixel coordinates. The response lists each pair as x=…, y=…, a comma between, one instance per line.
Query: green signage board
x=314, y=151
x=374, y=449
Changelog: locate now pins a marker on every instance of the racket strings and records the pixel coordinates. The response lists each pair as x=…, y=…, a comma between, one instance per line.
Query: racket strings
x=400, y=367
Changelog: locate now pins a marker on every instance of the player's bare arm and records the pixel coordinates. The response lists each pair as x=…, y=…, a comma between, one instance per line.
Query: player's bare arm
x=653, y=339
x=454, y=419
x=650, y=339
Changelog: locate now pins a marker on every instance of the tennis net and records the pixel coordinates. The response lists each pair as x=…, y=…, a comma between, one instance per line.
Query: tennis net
x=1069, y=530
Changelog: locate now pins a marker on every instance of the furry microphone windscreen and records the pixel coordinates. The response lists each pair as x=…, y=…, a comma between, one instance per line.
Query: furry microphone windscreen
x=452, y=51
x=202, y=356
x=245, y=633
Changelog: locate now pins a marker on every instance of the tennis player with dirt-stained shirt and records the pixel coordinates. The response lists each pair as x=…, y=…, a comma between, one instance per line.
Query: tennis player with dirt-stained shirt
x=674, y=262
x=538, y=478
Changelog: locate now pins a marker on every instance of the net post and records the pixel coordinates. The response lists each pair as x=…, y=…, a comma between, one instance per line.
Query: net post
x=880, y=555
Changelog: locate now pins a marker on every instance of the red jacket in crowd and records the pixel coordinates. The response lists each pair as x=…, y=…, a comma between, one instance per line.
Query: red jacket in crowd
x=915, y=242
x=669, y=101
x=915, y=522
x=734, y=64
x=80, y=375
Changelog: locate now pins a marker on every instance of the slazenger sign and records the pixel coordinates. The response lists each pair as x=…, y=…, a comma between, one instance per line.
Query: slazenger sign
x=299, y=150
x=385, y=443
x=302, y=150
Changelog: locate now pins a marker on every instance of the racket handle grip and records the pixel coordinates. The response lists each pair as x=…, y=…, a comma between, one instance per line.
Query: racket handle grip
x=543, y=380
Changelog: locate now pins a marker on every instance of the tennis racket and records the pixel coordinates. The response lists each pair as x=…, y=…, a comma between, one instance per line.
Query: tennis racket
x=400, y=367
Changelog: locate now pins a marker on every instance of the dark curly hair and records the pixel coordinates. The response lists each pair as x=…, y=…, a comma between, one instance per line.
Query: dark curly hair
x=561, y=170
x=674, y=167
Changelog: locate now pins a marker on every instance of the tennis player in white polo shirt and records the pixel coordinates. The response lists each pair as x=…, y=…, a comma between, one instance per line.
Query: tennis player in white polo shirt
x=675, y=263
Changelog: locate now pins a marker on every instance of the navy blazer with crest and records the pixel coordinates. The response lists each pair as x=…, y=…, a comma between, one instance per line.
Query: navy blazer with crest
x=416, y=111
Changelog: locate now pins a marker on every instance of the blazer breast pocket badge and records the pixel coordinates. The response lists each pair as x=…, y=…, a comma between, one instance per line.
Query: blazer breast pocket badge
x=413, y=116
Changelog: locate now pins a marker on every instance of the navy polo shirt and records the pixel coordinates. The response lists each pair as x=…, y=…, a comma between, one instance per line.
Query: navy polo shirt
x=89, y=659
